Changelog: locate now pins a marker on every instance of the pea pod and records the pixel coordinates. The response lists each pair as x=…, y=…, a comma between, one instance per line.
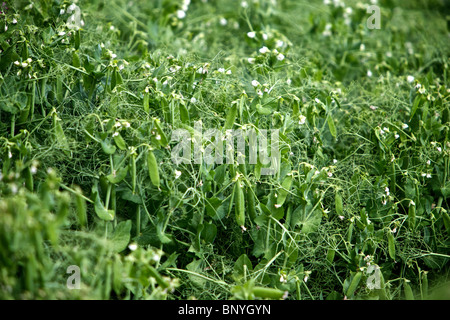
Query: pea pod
x=382, y=294
x=164, y=142
x=153, y=168
x=391, y=245
x=425, y=284
x=133, y=171
x=354, y=284
x=338, y=204
x=239, y=205
x=184, y=113
x=60, y=137
x=267, y=293
x=146, y=102
x=408, y=291
x=412, y=216
x=120, y=142
x=331, y=126
x=231, y=117
x=28, y=179
x=446, y=221
x=330, y=255
x=251, y=204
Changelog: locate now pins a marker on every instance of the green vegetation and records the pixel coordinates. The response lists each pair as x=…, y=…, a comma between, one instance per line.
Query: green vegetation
x=357, y=209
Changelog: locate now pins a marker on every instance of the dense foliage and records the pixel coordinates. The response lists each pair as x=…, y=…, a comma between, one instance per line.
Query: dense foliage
x=358, y=206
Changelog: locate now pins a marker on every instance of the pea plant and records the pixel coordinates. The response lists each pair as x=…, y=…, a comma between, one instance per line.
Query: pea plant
x=253, y=150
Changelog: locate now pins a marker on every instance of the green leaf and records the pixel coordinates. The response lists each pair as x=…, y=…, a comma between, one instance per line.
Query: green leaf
x=308, y=219
x=242, y=267
x=196, y=266
x=118, y=176
x=121, y=236
x=107, y=147
x=209, y=232
x=101, y=211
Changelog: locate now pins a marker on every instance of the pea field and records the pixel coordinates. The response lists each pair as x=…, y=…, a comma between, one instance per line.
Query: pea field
x=224, y=150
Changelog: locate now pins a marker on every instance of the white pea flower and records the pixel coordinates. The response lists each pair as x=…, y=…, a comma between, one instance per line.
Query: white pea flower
x=177, y=174
x=302, y=120
x=280, y=57
x=255, y=83
x=264, y=50
x=251, y=60
x=369, y=73
x=251, y=34
x=405, y=126
x=132, y=246
x=223, y=21
x=410, y=79
x=181, y=14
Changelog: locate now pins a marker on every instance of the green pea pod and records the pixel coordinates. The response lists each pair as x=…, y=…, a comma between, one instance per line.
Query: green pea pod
x=350, y=232
x=391, y=245
x=231, y=117
x=28, y=179
x=164, y=142
x=239, y=205
x=60, y=137
x=408, y=291
x=184, y=113
x=133, y=172
x=331, y=126
x=330, y=255
x=425, y=285
x=338, y=204
x=285, y=188
x=251, y=204
x=120, y=142
x=146, y=102
x=412, y=216
x=446, y=221
x=153, y=168
x=354, y=284
x=382, y=294
x=76, y=60
x=77, y=39
x=267, y=293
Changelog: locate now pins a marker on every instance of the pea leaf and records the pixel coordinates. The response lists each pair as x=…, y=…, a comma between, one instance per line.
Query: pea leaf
x=121, y=236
